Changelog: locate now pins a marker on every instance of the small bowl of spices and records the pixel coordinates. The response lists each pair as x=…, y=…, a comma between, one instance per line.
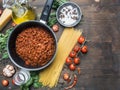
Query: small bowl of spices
x=69, y=14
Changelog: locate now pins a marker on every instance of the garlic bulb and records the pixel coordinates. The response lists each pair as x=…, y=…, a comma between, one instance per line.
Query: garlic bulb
x=8, y=71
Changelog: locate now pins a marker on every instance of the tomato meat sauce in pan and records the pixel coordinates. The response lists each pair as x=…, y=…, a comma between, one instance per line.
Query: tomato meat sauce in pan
x=32, y=45
x=35, y=46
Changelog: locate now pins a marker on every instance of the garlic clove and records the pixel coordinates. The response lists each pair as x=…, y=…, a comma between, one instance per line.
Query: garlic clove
x=4, y=74
x=9, y=74
x=13, y=71
x=11, y=68
x=7, y=66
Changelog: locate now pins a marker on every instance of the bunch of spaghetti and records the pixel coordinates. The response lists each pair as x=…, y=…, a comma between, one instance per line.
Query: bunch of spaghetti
x=50, y=76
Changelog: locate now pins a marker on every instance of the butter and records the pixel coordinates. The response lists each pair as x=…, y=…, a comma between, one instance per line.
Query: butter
x=5, y=17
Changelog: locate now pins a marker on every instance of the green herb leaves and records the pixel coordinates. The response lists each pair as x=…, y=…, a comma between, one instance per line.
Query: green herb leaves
x=52, y=18
x=3, y=43
x=57, y=3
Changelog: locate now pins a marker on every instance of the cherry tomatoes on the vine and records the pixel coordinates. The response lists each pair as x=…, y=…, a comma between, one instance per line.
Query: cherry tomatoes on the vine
x=72, y=54
x=81, y=39
x=68, y=60
x=76, y=60
x=84, y=49
x=76, y=48
x=72, y=67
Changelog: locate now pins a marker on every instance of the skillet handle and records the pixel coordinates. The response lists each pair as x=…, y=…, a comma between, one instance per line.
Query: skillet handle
x=46, y=11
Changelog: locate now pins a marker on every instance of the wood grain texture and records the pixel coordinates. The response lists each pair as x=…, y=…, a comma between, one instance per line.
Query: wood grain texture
x=100, y=67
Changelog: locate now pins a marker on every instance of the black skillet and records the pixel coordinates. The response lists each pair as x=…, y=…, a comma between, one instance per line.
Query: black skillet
x=18, y=29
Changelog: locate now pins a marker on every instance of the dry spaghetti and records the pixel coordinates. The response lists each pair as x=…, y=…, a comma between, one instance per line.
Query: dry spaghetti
x=49, y=76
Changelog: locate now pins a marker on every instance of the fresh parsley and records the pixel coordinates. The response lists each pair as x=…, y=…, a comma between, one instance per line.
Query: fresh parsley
x=52, y=18
x=3, y=43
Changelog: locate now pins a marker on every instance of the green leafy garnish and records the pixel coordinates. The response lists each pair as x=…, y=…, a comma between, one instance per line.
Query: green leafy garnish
x=52, y=18
x=3, y=43
x=57, y=3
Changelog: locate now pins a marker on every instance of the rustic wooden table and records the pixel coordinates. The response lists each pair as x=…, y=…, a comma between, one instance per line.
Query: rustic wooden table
x=100, y=68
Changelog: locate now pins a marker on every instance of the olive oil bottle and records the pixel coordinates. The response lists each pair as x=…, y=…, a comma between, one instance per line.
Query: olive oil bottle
x=21, y=11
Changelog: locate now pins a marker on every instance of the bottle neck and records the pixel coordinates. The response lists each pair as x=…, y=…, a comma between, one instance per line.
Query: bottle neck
x=24, y=2
x=10, y=3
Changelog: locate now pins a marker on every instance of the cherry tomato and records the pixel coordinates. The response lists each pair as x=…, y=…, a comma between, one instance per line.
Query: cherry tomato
x=72, y=67
x=84, y=49
x=76, y=48
x=72, y=54
x=13, y=82
x=66, y=76
x=68, y=60
x=81, y=39
x=55, y=28
x=5, y=82
x=76, y=60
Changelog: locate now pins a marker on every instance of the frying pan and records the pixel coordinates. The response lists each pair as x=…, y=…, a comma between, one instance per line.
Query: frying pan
x=18, y=29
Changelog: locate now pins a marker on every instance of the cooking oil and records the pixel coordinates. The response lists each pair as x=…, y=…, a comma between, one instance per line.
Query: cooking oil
x=21, y=10
x=21, y=14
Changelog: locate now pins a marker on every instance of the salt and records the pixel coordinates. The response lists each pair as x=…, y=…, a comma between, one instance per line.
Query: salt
x=21, y=77
x=70, y=15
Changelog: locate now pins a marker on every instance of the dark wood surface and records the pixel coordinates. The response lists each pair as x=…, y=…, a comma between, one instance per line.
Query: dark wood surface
x=100, y=67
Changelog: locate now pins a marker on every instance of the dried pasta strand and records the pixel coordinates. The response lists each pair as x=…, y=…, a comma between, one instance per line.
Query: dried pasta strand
x=49, y=76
